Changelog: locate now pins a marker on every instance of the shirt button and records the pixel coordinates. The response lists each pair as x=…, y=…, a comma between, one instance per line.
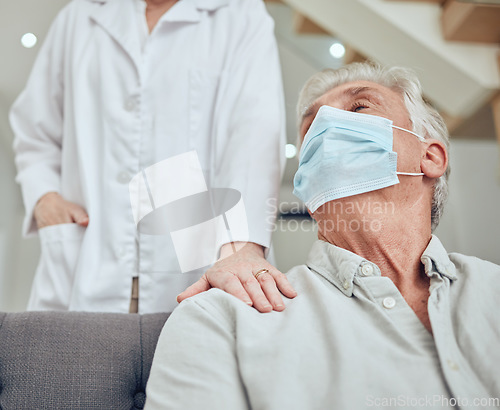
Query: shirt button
x=130, y=104
x=367, y=269
x=453, y=365
x=346, y=285
x=389, y=303
x=123, y=178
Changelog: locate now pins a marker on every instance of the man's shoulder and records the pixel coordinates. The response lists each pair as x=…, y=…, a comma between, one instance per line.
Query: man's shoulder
x=215, y=298
x=216, y=303
x=454, y=263
x=473, y=265
x=476, y=277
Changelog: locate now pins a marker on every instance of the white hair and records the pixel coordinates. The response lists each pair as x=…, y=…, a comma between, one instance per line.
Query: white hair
x=425, y=120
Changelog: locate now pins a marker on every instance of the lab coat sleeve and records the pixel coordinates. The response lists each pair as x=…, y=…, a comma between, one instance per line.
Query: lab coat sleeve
x=250, y=123
x=195, y=364
x=37, y=121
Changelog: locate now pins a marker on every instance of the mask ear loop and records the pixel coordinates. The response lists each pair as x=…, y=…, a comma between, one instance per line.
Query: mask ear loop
x=411, y=132
x=421, y=139
x=412, y=174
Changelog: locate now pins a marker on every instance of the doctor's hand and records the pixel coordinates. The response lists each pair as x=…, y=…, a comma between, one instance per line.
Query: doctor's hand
x=235, y=273
x=53, y=209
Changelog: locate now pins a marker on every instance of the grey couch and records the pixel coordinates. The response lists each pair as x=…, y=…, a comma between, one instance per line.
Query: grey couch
x=70, y=360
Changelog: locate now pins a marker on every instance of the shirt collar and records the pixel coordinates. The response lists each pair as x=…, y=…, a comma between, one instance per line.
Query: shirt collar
x=436, y=259
x=339, y=266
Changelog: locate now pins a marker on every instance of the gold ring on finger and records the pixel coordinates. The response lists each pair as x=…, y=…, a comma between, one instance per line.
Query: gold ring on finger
x=260, y=273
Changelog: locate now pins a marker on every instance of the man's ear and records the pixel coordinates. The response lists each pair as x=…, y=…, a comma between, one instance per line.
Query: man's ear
x=435, y=160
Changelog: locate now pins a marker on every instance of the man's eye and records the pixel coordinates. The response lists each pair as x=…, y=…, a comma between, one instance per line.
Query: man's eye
x=358, y=107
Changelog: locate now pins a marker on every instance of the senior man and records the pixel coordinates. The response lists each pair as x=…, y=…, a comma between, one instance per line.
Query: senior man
x=385, y=317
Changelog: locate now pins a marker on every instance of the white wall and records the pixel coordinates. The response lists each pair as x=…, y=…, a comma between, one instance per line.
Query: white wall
x=471, y=223
x=18, y=257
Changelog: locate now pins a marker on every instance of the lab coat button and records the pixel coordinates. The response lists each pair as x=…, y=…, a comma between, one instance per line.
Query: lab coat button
x=367, y=269
x=123, y=178
x=121, y=253
x=389, y=303
x=130, y=104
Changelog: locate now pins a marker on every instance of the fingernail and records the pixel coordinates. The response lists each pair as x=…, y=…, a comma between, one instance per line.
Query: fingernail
x=267, y=306
x=249, y=303
x=280, y=306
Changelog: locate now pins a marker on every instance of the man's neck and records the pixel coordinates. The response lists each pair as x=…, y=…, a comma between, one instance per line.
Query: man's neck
x=393, y=241
x=395, y=249
x=390, y=228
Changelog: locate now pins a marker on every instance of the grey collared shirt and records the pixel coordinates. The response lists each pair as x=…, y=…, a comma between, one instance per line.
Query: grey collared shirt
x=347, y=341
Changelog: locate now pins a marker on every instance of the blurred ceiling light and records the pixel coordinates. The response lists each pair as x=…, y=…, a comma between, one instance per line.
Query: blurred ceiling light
x=28, y=40
x=290, y=151
x=337, y=50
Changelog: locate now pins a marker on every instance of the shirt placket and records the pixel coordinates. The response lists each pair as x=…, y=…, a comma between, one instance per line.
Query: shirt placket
x=384, y=293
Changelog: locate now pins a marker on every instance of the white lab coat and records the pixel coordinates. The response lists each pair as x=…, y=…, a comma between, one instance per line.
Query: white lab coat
x=98, y=109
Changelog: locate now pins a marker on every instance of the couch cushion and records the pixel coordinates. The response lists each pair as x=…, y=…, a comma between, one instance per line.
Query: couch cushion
x=73, y=360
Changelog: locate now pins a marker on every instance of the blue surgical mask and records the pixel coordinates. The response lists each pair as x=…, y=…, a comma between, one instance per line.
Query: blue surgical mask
x=346, y=153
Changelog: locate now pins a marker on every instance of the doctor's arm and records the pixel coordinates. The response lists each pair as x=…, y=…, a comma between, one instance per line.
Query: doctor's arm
x=37, y=121
x=250, y=130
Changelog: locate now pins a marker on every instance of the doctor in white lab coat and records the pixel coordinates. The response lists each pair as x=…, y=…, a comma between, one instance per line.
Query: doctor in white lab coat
x=118, y=86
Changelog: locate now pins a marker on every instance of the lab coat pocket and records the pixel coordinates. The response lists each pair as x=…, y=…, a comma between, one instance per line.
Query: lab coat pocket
x=204, y=89
x=53, y=283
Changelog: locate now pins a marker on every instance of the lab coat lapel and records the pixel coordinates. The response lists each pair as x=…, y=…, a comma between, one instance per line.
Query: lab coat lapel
x=210, y=5
x=184, y=11
x=118, y=19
